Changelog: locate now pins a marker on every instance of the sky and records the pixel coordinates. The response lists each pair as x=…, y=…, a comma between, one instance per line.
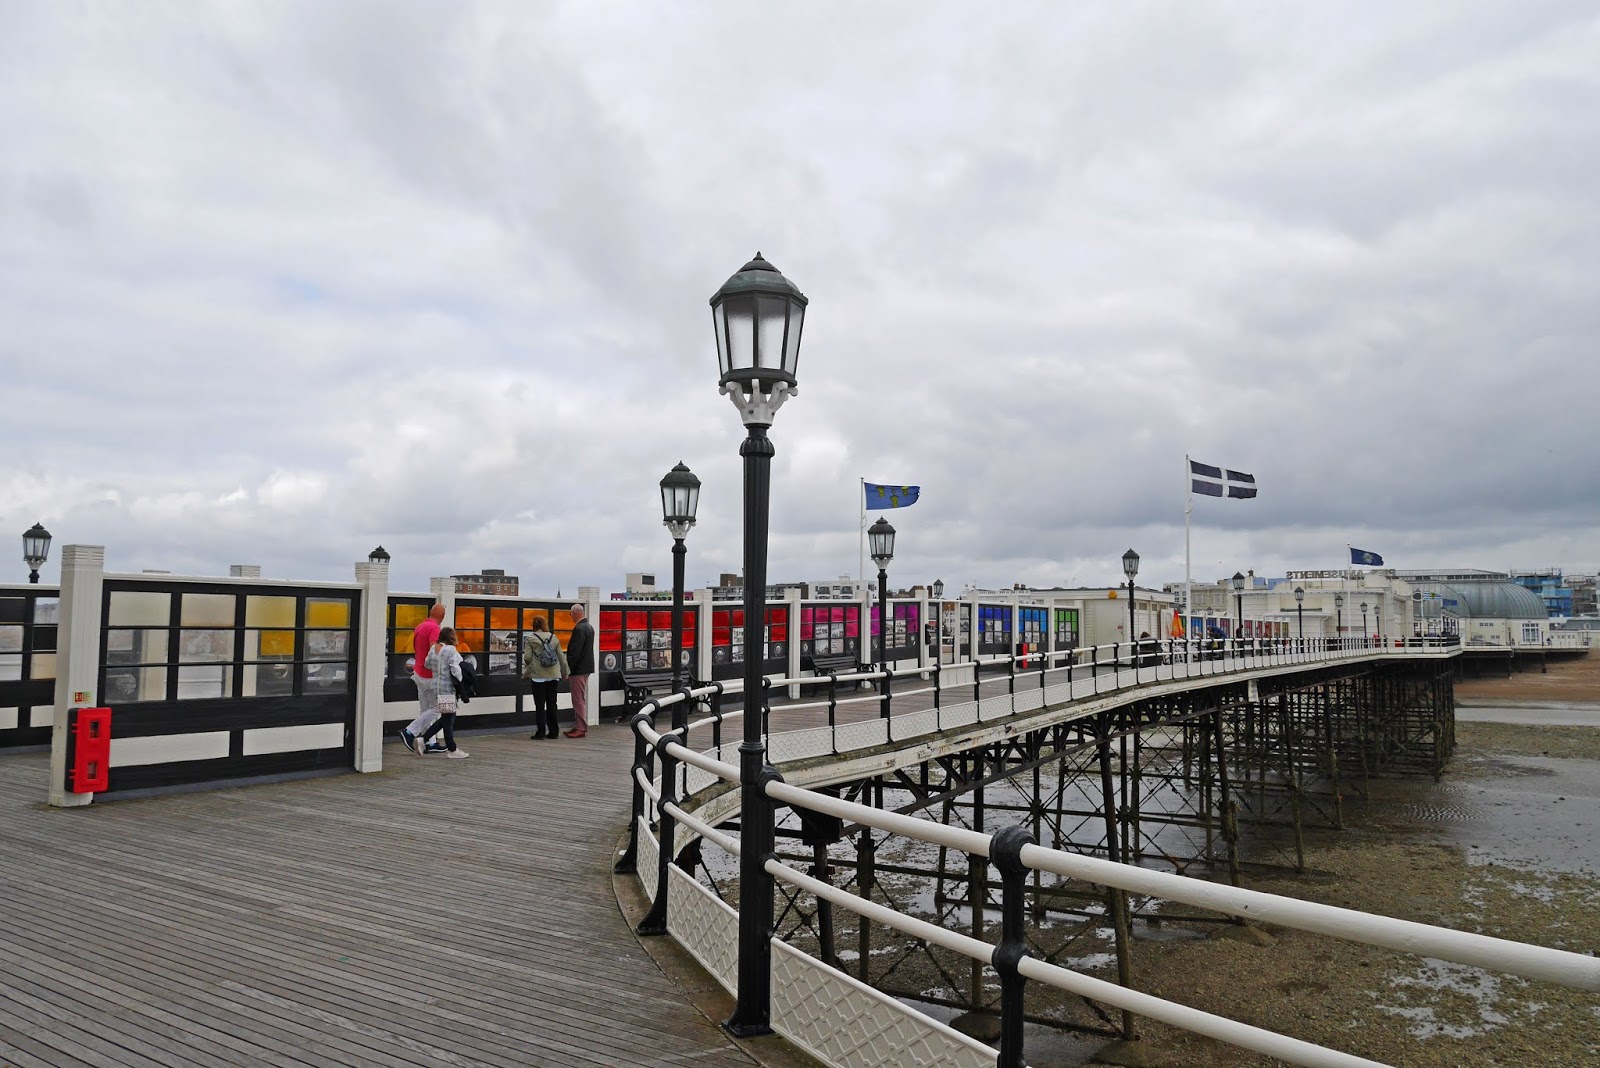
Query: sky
x=282, y=282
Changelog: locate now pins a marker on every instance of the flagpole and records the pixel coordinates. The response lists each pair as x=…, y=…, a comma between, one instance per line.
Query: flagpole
x=1188, y=510
x=861, y=534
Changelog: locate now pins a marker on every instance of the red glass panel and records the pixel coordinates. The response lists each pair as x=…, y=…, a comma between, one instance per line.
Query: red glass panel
x=806, y=631
x=780, y=632
x=721, y=618
x=839, y=614
x=721, y=636
x=609, y=621
x=806, y=615
x=852, y=628
x=738, y=617
x=662, y=620
x=778, y=615
x=610, y=641
x=638, y=620
x=688, y=635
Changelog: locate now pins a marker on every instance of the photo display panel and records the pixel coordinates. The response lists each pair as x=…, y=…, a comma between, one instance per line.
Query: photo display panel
x=639, y=639
x=830, y=630
x=994, y=628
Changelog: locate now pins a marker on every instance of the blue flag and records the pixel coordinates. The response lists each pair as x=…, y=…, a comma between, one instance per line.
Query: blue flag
x=891, y=496
x=1365, y=559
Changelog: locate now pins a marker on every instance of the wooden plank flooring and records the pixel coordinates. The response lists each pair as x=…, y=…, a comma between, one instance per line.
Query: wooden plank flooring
x=442, y=912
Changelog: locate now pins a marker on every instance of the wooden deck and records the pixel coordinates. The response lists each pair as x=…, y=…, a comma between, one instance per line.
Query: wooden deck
x=442, y=912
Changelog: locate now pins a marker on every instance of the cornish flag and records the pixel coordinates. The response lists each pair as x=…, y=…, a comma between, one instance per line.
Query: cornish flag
x=1364, y=558
x=1220, y=482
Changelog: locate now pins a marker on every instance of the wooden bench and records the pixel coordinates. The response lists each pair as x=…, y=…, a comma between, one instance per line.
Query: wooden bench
x=639, y=686
x=839, y=663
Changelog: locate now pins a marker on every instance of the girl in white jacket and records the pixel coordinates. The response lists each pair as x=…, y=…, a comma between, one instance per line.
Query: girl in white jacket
x=445, y=663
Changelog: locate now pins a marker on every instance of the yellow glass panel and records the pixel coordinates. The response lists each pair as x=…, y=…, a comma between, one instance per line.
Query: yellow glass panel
x=407, y=616
x=325, y=613
x=42, y=666
x=277, y=643
x=469, y=618
x=268, y=611
x=502, y=619
x=402, y=641
x=208, y=609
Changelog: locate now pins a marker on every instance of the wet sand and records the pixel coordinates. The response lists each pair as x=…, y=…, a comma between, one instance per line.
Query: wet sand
x=1508, y=844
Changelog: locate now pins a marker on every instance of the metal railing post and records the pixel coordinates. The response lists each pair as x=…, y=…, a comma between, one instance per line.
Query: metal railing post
x=1005, y=850
x=628, y=863
x=766, y=711
x=938, y=719
x=833, y=709
x=655, y=921
x=886, y=703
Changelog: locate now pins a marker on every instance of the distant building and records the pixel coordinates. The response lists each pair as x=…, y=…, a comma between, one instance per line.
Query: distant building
x=1547, y=583
x=1584, y=599
x=491, y=580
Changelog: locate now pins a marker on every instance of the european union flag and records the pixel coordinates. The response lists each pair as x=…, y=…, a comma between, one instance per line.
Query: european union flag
x=1365, y=559
x=891, y=496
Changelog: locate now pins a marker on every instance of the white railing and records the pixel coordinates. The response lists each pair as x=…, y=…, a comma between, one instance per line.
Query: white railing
x=1016, y=855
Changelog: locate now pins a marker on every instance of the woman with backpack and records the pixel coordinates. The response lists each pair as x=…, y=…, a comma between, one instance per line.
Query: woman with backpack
x=544, y=665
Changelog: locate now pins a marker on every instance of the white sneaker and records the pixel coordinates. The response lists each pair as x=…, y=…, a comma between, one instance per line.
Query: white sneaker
x=458, y=754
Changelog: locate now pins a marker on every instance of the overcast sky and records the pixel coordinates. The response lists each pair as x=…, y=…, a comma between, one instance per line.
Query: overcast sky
x=280, y=282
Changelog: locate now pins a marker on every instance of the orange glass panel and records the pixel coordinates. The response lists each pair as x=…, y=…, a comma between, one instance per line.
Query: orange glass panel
x=281, y=643
x=469, y=617
x=562, y=625
x=502, y=619
x=533, y=618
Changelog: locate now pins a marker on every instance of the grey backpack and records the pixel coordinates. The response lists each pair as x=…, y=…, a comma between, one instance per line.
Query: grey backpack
x=547, y=652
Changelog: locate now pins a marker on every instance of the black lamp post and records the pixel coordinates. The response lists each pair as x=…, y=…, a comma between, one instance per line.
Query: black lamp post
x=1238, y=599
x=1363, y=622
x=1130, y=567
x=680, y=498
x=1338, y=623
x=938, y=589
x=380, y=555
x=1300, y=614
x=757, y=316
x=880, y=537
x=35, y=550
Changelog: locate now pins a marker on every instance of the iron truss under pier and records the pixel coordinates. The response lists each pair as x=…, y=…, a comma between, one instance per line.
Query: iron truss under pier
x=1216, y=781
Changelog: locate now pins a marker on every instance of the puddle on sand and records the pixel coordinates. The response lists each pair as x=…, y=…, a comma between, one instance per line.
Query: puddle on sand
x=1534, y=813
